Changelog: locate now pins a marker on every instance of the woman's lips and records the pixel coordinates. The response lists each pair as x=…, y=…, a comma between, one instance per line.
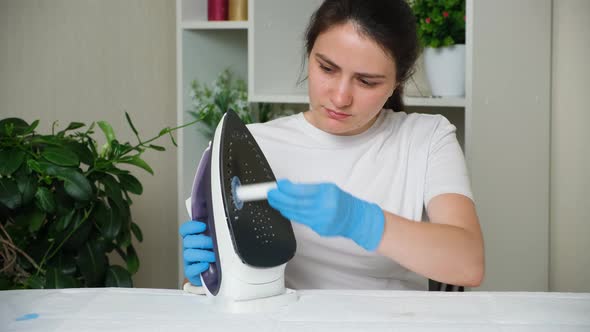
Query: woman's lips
x=336, y=115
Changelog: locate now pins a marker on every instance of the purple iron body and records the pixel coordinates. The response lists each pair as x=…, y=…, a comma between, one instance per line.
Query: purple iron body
x=201, y=210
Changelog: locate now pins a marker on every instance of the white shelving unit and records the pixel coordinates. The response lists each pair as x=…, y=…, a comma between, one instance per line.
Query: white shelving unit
x=502, y=122
x=454, y=102
x=203, y=50
x=434, y=101
x=215, y=25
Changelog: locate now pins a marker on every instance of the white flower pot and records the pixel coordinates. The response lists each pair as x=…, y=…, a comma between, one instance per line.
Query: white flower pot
x=445, y=69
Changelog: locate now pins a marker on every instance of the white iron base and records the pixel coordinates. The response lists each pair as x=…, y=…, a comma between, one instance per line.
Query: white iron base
x=265, y=304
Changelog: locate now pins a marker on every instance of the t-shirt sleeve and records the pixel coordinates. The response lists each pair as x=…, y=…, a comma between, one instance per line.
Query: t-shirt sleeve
x=446, y=170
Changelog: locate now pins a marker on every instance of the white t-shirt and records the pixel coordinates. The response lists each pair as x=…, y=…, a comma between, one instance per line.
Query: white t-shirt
x=400, y=163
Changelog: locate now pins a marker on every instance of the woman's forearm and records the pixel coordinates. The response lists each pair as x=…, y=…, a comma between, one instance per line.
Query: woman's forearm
x=443, y=252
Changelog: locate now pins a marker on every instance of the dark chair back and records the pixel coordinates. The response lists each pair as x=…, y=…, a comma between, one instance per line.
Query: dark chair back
x=435, y=286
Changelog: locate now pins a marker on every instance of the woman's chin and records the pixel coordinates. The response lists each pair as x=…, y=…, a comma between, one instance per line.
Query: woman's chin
x=341, y=127
x=336, y=128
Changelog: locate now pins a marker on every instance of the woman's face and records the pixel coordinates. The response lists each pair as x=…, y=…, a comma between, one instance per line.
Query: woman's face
x=350, y=78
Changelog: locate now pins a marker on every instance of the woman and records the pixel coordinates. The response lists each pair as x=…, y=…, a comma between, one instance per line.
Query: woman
x=362, y=174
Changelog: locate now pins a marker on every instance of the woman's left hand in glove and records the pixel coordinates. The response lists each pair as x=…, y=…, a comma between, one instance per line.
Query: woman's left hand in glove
x=330, y=211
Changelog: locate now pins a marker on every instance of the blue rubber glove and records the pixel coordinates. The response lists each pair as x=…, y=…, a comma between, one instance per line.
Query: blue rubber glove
x=195, y=250
x=329, y=211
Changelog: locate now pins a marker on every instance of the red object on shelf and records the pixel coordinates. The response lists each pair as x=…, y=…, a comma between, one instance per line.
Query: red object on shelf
x=217, y=10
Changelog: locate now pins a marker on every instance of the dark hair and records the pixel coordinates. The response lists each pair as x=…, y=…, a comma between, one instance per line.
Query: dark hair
x=390, y=23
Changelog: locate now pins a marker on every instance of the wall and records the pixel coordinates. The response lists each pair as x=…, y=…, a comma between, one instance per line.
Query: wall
x=89, y=60
x=508, y=138
x=570, y=148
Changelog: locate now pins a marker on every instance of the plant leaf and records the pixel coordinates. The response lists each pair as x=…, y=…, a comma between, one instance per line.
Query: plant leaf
x=35, y=166
x=127, y=198
x=124, y=239
x=108, y=221
x=137, y=161
x=92, y=264
x=82, y=151
x=45, y=168
x=105, y=245
x=125, y=216
x=27, y=186
x=54, y=278
x=108, y=131
x=81, y=228
x=9, y=194
x=116, y=149
x=10, y=161
x=118, y=276
x=131, y=124
x=130, y=183
x=75, y=125
x=13, y=127
x=47, y=140
x=45, y=199
x=172, y=138
x=116, y=171
x=136, y=231
x=157, y=147
x=75, y=184
x=112, y=189
x=60, y=156
x=34, y=218
x=92, y=147
x=132, y=260
x=71, y=126
x=31, y=128
x=64, y=221
x=64, y=202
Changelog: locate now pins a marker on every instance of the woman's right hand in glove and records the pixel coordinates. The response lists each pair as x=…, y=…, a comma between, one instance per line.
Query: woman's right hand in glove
x=197, y=250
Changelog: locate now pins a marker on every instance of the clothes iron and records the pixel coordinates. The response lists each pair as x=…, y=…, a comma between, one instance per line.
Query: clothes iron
x=252, y=241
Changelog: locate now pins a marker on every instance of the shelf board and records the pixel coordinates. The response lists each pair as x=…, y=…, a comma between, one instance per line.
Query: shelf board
x=214, y=25
x=281, y=99
x=409, y=101
x=435, y=101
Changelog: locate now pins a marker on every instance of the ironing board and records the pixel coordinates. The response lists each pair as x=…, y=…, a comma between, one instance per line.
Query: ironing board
x=112, y=309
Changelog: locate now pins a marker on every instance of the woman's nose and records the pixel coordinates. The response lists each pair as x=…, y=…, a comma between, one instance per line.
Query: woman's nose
x=342, y=94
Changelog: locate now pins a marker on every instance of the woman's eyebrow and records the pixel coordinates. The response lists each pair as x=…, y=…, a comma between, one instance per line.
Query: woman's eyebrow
x=329, y=62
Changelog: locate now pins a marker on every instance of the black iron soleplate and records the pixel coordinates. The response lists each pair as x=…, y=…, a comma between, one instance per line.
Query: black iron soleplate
x=261, y=236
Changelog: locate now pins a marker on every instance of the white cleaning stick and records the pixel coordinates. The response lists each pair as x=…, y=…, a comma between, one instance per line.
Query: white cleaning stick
x=254, y=192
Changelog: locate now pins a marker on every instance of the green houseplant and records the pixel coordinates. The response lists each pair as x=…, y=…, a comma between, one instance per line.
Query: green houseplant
x=64, y=205
x=209, y=103
x=441, y=30
x=440, y=23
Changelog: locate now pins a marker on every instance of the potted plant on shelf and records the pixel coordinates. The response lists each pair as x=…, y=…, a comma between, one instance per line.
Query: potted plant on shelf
x=441, y=30
x=209, y=103
x=64, y=205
